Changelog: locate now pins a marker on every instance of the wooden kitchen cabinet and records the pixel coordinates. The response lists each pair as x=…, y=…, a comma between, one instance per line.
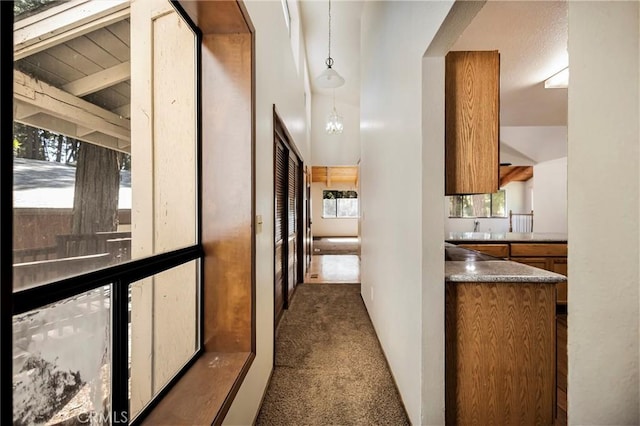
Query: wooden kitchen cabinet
x=472, y=122
x=549, y=256
x=495, y=250
x=500, y=353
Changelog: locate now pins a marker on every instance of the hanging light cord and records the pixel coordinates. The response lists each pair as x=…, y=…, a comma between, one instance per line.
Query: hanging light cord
x=329, y=60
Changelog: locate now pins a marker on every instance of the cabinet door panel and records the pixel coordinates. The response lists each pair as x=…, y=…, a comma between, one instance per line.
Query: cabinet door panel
x=538, y=249
x=536, y=262
x=472, y=122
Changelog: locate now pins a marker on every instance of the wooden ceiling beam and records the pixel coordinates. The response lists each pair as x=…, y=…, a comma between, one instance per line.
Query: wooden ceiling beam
x=100, y=80
x=329, y=175
x=72, y=130
x=67, y=21
x=515, y=174
x=123, y=111
x=41, y=105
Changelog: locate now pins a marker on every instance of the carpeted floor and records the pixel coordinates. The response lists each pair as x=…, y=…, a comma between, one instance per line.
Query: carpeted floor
x=330, y=369
x=336, y=245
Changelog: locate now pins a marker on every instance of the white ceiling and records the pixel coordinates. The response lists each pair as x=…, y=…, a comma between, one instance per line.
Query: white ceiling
x=531, y=37
x=345, y=43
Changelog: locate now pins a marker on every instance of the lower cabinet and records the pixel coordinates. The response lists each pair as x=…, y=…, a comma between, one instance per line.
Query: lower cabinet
x=495, y=250
x=548, y=256
x=500, y=353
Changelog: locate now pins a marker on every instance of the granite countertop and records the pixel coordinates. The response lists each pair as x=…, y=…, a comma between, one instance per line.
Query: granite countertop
x=462, y=265
x=506, y=237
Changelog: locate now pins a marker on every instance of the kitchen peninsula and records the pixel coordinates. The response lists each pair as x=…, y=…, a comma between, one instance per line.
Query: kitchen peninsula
x=505, y=237
x=500, y=340
x=541, y=250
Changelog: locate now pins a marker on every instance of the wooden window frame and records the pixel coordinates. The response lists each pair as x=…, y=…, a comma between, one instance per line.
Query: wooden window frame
x=224, y=31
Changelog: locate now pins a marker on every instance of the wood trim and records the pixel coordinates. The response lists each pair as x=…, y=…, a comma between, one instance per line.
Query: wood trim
x=228, y=233
x=227, y=237
x=281, y=128
x=193, y=399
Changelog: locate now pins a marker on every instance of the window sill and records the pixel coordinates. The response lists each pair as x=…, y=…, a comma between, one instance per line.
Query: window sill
x=205, y=392
x=332, y=217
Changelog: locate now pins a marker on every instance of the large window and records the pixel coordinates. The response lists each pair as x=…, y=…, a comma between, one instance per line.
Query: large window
x=478, y=205
x=339, y=204
x=105, y=254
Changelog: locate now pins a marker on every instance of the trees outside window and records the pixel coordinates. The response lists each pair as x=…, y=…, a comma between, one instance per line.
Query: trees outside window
x=339, y=204
x=478, y=205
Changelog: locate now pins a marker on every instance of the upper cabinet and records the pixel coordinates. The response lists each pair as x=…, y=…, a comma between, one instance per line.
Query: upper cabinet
x=472, y=122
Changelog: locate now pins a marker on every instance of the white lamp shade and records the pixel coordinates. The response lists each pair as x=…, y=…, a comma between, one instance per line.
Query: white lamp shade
x=329, y=79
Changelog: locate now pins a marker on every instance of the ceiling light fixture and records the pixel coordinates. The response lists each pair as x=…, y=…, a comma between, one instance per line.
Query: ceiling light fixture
x=559, y=80
x=329, y=78
x=334, y=121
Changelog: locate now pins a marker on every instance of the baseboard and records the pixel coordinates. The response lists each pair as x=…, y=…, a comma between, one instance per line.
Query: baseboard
x=384, y=355
x=264, y=394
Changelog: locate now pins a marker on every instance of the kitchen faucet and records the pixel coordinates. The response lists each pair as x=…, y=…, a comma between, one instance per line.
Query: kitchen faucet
x=476, y=225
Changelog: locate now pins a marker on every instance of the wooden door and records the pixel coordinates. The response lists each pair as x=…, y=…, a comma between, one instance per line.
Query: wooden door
x=281, y=165
x=292, y=213
x=288, y=231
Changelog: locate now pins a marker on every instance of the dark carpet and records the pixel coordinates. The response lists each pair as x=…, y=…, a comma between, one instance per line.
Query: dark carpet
x=330, y=369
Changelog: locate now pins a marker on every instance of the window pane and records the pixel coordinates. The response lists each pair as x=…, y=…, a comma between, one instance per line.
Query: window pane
x=61, y=361
x=498, y=204
x=71, y=144
x=89, y=181
x=347, y=207
x=329, y=208
x=455, y=206
x=164, y=332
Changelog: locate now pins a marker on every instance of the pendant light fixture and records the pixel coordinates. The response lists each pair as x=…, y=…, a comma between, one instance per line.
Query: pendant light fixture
x=329, y=79
x=334, y=121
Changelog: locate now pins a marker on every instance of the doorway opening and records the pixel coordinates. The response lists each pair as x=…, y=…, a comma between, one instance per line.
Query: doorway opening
x=335, y=201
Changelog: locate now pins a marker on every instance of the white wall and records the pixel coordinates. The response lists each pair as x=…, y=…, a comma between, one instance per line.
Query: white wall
x=515, y=192
x=277, y=82
x=550, y=195
x=395, y=36
x=330, y=227
x=603, y=182
x=339, y=149
x=540, y=143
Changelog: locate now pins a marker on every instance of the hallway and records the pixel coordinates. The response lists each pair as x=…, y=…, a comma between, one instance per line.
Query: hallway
x=334, y=269
x=329, y=367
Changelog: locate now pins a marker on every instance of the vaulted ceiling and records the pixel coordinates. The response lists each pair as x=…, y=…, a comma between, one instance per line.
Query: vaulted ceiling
x=531, y=37
x=335, y=174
